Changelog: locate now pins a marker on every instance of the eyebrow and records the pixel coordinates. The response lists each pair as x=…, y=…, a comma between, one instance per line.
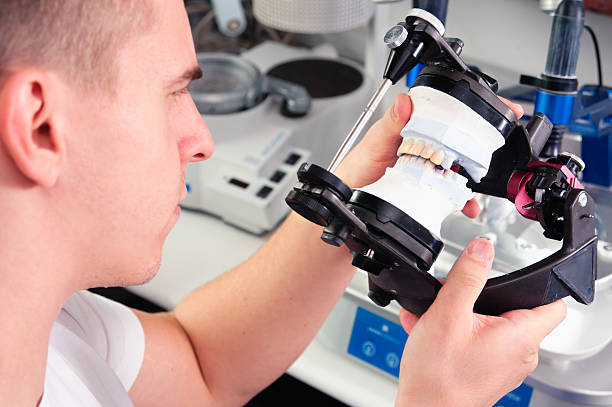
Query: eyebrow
x=189, y=75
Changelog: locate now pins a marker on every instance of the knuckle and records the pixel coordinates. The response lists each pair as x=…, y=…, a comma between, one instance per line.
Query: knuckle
x=531, y=362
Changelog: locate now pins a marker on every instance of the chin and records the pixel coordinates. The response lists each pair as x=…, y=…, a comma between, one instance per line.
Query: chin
x=137, y=275
x=147, y=273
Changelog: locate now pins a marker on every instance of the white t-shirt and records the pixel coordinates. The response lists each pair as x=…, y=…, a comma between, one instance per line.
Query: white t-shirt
x=96, y=350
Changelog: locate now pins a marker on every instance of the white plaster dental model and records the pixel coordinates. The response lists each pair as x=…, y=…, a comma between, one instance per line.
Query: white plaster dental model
x=442, y=132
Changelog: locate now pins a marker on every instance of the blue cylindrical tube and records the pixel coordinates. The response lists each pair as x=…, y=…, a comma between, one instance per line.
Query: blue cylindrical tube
x=556, y=106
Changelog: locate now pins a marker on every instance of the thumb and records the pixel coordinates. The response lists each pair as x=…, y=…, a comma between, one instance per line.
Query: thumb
x=466, y=278
x=388, y=128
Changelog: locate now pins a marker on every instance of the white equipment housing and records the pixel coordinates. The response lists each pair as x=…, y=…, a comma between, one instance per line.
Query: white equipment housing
x=243, y=183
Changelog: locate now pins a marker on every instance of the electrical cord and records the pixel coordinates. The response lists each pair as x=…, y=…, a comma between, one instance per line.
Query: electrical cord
x=597, y=55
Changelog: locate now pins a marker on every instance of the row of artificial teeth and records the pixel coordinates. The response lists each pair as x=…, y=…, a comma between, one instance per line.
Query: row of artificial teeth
x=411, y=146
x=432, y=151
x=406, y=159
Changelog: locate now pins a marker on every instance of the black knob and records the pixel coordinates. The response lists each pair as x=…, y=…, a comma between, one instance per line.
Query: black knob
x=308, y=207
x=315, y=175
x=336, y=233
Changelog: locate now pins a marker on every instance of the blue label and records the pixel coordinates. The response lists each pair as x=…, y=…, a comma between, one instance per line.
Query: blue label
x=377, y=341
x=519, y=397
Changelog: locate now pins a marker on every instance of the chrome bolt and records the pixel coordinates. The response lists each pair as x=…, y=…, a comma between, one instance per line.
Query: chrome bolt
x=396, y=36
x=582, y=199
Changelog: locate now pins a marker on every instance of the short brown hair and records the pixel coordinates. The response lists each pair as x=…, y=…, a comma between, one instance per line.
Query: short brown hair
x=77, y=38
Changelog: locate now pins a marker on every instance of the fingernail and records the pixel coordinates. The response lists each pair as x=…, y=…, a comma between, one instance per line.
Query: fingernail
x=480, y=250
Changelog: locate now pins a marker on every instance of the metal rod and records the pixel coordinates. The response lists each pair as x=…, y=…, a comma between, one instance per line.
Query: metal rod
x=359, y=125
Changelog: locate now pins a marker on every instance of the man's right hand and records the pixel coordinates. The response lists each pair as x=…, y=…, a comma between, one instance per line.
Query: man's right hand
x=454, y=357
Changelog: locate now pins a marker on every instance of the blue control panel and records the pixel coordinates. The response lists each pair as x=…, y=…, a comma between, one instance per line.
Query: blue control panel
x=380, y=343
x=377, y=341
x=519, y=397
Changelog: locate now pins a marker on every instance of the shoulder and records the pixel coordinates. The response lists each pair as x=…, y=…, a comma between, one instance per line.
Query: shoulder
x=111, y=329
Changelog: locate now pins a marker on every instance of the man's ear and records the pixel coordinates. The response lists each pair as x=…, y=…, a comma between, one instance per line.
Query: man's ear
x=27, y=125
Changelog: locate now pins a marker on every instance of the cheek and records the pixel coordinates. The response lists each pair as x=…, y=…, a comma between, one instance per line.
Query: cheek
x=131, y=167
x=152, y=166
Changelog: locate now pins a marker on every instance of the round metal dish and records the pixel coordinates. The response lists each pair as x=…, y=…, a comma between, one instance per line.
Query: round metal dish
x=230, y=84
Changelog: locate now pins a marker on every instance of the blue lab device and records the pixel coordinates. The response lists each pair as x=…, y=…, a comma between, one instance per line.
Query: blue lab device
x=380, y=343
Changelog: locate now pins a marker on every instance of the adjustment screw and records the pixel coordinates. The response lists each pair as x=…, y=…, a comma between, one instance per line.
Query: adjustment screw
x=583, y=199
x=396, y=36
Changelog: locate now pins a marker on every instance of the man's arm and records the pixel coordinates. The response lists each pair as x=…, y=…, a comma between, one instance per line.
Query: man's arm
x=234, y=336
x=245, y=328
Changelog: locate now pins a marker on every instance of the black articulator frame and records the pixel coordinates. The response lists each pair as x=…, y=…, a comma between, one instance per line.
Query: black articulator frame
x=397, y=251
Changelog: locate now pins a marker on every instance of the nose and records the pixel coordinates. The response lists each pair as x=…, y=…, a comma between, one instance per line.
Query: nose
x=197, y=144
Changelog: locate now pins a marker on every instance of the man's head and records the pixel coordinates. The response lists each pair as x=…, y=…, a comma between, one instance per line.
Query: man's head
x=96, y=129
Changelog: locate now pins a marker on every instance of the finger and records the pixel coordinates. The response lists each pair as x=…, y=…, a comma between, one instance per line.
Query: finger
x=539, y=321
x=516, y=108
x=408, y=320
x=471, y=208
x=466, y=278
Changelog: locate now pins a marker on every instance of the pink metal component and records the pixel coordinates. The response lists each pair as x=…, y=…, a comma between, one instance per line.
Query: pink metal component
x=517, y=191
x=571, y=178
